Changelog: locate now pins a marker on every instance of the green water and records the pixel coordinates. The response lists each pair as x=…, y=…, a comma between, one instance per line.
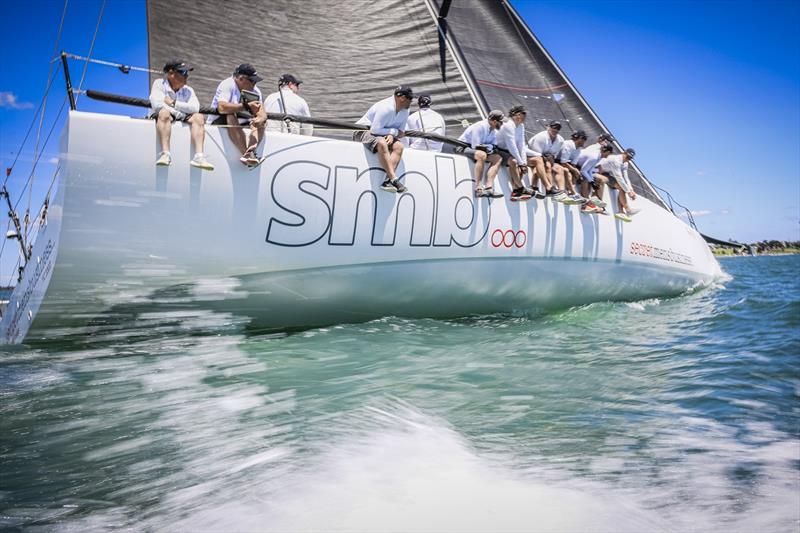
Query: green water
x=660, y=415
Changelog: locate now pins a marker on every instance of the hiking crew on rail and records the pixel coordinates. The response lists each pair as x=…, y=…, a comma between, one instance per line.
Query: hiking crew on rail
x=565, y=171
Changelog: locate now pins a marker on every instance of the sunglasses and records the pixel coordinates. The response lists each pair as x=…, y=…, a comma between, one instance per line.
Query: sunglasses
x=183, y=72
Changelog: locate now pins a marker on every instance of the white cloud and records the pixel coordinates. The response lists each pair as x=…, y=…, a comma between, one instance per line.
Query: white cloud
x=701, y=172
x=700, y=213
x=9, y=100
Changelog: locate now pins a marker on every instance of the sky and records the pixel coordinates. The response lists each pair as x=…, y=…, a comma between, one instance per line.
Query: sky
x=707, y=92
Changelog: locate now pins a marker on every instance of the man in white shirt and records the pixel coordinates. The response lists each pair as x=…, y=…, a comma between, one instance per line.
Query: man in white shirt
x=170, y=100
x=287, y=100
x=482, y=138
x=425, y=120
x=613, y=170
x=588, y=183
x=543, y=149
x=565, y=169
x=593, y=150
x=511, y=138
x=236, y=111
x=387, y=122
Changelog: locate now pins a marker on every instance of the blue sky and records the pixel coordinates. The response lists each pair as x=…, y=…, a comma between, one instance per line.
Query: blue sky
x=708, y=93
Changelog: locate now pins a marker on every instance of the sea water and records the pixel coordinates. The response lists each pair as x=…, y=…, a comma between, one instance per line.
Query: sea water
x=679, y=414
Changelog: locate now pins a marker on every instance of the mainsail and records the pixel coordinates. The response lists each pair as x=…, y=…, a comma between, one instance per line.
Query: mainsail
x=469, y=55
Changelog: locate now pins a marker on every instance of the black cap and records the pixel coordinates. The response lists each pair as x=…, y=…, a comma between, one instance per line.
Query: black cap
x=404, y=90
x=554, y=124
x=631, y=152
x=607, y=148
x=517, y=110
x=178, y=65
x=580, y=134
x=605, y=137
x=496, y=114
x=248, y=71
x=286, y=79
x=424, y=100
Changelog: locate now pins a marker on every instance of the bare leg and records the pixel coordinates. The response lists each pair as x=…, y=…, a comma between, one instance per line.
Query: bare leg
x=256, y=134
x=164, y=128
x=198, y=132
x=558, y=175
x=513, y=174
x=396, y=154
x=480, y=158
x=384, y=158
x=495, y=161
x=236, y=133
x=600, y=180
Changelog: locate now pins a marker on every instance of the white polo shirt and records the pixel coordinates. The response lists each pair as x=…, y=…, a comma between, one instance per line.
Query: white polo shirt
x=186, y=101
x=479, y=133
x=295, y=105
x=228, y=91
x=593, y=150
x=511, y=137
x=432, y=122
x=588, y=167
x=569, y=153
x=617, y=167
x=541, y=144
x=384, y=119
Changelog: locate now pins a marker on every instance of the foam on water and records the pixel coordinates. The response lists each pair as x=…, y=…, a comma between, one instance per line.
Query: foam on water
x=660, y=415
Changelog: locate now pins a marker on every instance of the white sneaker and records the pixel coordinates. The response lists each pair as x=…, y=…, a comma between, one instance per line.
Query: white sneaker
x=164, y=159
x=597, y=201
x=200, y=161
x=634, y=210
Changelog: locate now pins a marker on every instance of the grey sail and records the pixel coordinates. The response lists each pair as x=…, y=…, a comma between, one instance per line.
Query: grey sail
x=348, y=54
x=479, y=55
x=511, y=67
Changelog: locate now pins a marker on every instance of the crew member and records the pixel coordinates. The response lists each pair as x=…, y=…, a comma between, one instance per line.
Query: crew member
x=425, y=120
x=170, y=100
x=614, y=171
x=237, y=108
x=544, y=146
x=288, y=95
x=565, y=169
x=511, y=138
x=387, y=121
x=482, y=138
x=588, y=183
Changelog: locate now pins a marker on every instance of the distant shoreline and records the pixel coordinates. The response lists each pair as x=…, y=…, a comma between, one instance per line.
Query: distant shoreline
x=757, y=255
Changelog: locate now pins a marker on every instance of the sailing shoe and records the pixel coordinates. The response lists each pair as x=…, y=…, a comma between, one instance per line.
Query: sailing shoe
x=633, y=210
x=516, y=195
x=538, y=194
x=479, y=193
x=578, y=198
x=589, y=208
x=200, y=161
x=399, y=186
x=388, y=186
x=597, y=201
x=623, y=217
x=490, y=192
x=164, y=159
x=560, y=196
x=250, y=158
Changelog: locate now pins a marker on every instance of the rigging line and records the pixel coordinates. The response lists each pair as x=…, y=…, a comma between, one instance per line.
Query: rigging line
x=50, y=76
x=3, y=246
x=91, y=48
x=46, y=199
x=111, y=64
x=36, y=161
x=30, y=128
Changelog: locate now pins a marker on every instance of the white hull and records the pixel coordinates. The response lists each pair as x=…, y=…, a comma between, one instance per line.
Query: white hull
x=299, y=241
